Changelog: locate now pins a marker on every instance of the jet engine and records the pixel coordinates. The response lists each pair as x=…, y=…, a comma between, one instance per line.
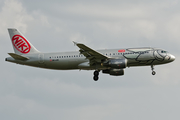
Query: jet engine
x=115, y=72
x=115, y=63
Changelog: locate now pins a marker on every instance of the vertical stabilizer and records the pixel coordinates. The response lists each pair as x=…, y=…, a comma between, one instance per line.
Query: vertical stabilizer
x=20, y=44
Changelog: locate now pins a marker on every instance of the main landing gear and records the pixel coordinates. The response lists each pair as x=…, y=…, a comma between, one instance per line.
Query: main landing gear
x=96, y=75
x=152, y=68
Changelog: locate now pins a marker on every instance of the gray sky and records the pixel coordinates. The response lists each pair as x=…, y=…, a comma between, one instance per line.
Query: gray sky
x=28, y=93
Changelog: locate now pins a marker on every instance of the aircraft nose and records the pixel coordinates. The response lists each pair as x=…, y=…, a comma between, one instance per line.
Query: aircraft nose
x=172, y=57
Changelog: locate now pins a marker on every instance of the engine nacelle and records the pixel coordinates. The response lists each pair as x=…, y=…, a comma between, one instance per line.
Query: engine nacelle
x=115, y=72
x=116, y=63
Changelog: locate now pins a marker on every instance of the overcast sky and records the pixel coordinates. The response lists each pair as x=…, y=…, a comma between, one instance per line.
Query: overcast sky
x=28, y=93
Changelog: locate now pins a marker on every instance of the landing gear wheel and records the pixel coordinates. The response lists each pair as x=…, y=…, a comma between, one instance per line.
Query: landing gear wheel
x=96, y=73
x=95, y=78
x=153, y=72
x=152, y=68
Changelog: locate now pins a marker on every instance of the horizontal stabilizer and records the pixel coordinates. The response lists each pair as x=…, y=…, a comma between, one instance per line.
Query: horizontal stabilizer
x=18, y=57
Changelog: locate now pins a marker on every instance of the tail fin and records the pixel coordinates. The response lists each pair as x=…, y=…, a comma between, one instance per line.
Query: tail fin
x=20, y=44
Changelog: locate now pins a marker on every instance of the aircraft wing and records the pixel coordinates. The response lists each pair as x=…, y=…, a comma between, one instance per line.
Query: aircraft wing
x=92, y=55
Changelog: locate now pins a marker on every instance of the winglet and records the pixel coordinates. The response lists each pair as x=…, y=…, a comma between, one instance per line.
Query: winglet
x=75, y=43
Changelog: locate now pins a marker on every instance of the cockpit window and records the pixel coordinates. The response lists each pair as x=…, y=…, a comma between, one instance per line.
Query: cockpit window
x=163, y=51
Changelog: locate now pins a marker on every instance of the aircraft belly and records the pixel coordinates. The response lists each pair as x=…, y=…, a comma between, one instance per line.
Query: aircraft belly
x=56, y=64
x=74, y=63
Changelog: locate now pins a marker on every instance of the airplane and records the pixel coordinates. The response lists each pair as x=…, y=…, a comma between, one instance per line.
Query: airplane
x=111, y=61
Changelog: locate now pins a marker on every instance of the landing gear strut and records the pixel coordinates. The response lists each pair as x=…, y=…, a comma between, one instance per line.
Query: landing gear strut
x=152, y=68
x=96, y=74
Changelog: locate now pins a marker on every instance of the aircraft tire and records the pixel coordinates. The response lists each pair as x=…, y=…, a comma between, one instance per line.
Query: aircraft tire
x=153, y=72
x=95, y=78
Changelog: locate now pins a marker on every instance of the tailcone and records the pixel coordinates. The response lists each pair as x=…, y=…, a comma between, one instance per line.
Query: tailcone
x=10, y=59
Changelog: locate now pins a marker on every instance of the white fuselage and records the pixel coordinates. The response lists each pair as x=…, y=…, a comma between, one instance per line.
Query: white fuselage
x=75, y=60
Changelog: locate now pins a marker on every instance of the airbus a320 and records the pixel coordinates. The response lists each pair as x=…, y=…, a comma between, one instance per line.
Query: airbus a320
x=112, y=61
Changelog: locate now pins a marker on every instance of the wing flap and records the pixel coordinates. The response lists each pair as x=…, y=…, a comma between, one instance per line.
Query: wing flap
x=18, y=57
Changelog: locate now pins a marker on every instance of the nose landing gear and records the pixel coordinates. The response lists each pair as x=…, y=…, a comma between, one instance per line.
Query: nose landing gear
x=96, y=75
x=152, y=68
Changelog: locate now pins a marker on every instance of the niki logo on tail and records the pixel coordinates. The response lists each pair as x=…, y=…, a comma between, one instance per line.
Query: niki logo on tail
x=21, y=44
